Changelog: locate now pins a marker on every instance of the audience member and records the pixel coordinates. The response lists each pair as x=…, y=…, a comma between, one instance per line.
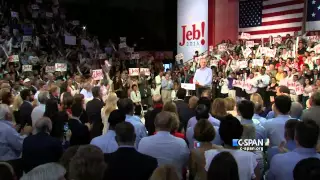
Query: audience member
x=151, y=114
x=307, y=169
x=223, y=167
x=38, y=111
x=87, y=163
x=126, y=163
x=275, y=127
x=40, y=148
x=49, y=171
x=6, y=171
x=231, y=129
x=166, y=148
x=127, y=107
x=165, y=172
x=306, y=137
x=107, y=142
x=289, y=144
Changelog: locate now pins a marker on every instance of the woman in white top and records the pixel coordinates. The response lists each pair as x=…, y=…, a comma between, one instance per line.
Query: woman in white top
x=224, y=87
x=110, y=105
x=230, y=129
x=175, y=90
x=135, y=95
x=308, y=89
x=153, y=89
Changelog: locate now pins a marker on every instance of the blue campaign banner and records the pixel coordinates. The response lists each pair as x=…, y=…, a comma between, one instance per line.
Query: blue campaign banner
x=27, y=30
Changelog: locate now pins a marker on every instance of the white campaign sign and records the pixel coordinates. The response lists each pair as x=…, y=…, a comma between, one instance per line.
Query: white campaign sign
x=122, y=45
x=222, y=48
x=61, y=67
x=246, y=36
x=14, y=14
x=188, y=86
x=26, y=68
x=103, y=56
x=257, y=62
x=250, y=44
x=179, y=56
x=192, y=28
x=35, y=7
x=214, y=63
x=50, y=69
x=135, y=56
x=277, y=40
x=14, y=58
x=27, y=38
x=97, y=74
x=123, y=39
x=247, y=52
x=146, y=71
x=134, y=72
x=242, y=64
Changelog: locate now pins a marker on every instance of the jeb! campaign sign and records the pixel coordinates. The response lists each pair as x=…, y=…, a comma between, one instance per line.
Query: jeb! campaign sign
x=194, y=36
x=192, y=28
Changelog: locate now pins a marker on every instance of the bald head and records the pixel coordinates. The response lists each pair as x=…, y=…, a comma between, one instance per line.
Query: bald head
x=164, y=121
x=193, y=102
x=157, y=99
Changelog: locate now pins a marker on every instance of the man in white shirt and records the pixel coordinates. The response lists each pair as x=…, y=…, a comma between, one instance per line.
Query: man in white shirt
x=158, y=80
x=251, y=85
x=38, y=111
x=263, y=81
x=203, y=77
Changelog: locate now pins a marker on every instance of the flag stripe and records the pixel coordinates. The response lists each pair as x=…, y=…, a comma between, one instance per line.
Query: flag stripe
x=283, y=4
x=284, y=8
x=275, y=30
x=277, y=26
x=278, y=18
x=265, y=3
x=294, y=11
x=283, y=21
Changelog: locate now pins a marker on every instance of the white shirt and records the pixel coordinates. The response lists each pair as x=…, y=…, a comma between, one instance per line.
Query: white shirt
x=254, y=84
x=247, y=161
x=36, y=114
x=224, y=86
x=284, y=81
x=158, y=84
x=265, y=80
x=174, y=94
x=135, y=96
x=87, y=95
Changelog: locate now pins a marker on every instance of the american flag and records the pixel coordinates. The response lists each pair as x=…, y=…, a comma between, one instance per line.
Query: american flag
x=265, y=18
x=313, y=15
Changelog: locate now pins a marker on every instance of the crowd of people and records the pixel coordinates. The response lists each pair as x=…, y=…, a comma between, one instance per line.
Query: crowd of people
x=58, y=121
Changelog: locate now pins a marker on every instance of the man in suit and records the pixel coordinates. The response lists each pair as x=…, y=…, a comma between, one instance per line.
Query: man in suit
x=26, y=108
x=151, y=114
x=94, y=112
x=127, y=163
x=80, y=132
x=41, y=148
x=184, y=111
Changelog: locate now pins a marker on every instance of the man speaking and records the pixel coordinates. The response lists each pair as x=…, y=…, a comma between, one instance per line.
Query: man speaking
x=202, y=77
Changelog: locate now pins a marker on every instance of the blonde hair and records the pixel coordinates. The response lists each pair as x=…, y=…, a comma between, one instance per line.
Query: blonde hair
x=165, y=172
x=111, y=103
x=170, y=107
x=17, y=102
x=256, y=99
x=219, y=108
x=230, y=103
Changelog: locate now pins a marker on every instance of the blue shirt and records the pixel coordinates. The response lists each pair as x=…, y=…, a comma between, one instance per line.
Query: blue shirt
x=139, y=128
x=107, y=142
x=272, y=151
x=282, y=165
x=203, y=76
x=190, y=132
x=270, y=115
x=256, y=118
x=167, y=149
x=10, y=141
x=260, y=131
x=193, y=121
x=275, y=129
x=166, y=84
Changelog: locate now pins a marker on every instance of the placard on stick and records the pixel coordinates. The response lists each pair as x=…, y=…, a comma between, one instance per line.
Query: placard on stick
x=97, y=74
x=61, y=67
x=26, y=68
x=134, y=72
